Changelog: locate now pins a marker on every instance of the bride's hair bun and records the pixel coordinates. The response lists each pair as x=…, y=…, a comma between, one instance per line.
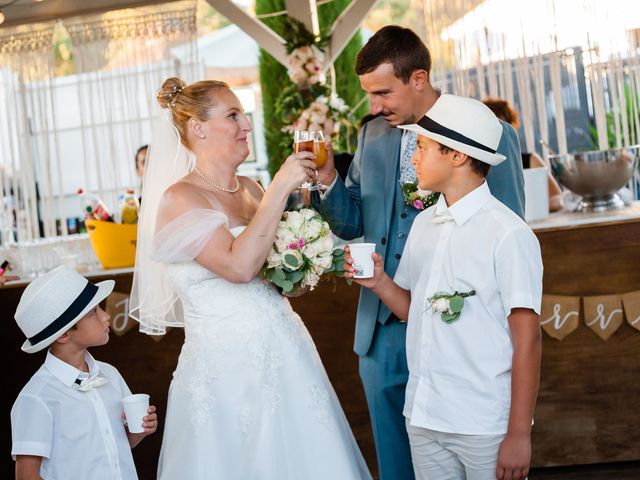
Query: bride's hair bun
x=169, y=92
x=188, y=101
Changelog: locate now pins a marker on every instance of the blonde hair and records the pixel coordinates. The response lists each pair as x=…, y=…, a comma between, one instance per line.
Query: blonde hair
x=188, y=101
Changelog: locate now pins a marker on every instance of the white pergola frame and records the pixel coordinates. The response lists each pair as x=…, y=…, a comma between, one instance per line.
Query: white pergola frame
x=305, y=11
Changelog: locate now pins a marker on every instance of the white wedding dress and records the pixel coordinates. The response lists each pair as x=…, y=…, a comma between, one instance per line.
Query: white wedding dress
x=250, y=398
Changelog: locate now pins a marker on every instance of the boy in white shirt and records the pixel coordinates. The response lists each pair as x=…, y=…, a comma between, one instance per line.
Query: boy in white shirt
x=470, y=284
x=67, y=421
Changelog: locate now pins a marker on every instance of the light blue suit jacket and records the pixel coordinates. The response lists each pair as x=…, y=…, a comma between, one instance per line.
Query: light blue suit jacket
x=364, y=205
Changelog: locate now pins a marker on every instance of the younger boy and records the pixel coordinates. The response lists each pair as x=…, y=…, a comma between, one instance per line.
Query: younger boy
x=66, y=422
x=470, y=284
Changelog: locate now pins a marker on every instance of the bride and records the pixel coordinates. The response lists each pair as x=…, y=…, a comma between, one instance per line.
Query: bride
x=249, y=398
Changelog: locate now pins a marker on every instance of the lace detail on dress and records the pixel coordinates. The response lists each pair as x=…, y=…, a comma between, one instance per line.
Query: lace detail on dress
x=320, y=403
x=198, y=384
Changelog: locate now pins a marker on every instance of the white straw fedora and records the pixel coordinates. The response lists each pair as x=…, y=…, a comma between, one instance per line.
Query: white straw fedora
x=464, y=124
x=55, y=302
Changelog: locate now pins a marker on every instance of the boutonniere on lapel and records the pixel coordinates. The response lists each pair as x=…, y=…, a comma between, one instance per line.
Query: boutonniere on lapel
x=417, y=198
x=449, y=305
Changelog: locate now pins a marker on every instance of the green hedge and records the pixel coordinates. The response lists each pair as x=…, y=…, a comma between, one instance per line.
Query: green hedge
x=274, y=78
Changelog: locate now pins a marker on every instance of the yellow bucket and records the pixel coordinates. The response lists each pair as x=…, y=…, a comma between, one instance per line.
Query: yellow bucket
x=114, y=243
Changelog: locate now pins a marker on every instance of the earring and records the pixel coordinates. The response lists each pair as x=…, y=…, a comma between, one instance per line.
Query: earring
x=203, y=136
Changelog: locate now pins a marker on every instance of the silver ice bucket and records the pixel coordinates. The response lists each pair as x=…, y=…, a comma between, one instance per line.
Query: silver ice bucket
x=597, y=175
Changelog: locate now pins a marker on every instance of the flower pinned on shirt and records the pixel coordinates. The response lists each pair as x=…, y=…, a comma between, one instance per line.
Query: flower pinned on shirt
x=449, y=305
x=418, y=198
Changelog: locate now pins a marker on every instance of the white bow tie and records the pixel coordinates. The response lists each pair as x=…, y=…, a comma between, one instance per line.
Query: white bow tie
x=89, y=384
x=443, y=218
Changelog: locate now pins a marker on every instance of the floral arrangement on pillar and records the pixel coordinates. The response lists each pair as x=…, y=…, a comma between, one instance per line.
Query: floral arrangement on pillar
x=309, y=103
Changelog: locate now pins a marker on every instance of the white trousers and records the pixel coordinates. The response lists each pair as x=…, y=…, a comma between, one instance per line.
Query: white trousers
x=452, y=456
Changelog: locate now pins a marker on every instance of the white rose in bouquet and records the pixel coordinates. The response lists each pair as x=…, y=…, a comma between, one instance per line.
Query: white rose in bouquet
x=309, y=251
x=285, y=234
x=323, y=261
x=323, y=245
x=311, y=229
x=281, y=244
x=308, y=213
x=294, y=222
x=310, y=279
x=273, y=260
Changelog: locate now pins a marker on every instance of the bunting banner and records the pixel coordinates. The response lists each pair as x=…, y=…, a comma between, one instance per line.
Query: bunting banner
x=631, y=303
x=603, y=314
x=560, y=315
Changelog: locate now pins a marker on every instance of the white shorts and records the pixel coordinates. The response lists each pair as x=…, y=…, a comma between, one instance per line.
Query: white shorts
x=452, y=456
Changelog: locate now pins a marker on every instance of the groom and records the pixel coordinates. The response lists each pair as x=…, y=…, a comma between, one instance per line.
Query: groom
x=394, y=68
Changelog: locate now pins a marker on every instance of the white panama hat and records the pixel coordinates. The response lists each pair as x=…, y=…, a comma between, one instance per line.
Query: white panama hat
x=463, y=124
x=53, y=303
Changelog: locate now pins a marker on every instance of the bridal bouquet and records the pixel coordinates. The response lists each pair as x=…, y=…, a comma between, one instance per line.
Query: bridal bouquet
x=302, y=252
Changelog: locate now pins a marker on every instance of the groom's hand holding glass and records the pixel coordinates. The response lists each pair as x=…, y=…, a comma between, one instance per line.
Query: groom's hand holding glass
x=327, y=172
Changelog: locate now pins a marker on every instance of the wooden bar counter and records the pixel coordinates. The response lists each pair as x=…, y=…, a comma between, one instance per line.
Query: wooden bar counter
x=588, y=409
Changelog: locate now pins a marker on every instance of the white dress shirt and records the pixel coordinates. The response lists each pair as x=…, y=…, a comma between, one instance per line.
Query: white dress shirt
x=79, y=434
x=460, y=373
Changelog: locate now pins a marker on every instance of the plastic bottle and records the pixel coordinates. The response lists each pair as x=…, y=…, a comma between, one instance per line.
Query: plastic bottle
x=94, y=208
x=129, y=207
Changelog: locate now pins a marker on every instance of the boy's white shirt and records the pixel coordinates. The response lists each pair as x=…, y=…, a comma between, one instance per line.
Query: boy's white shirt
x=78, y=434
x=460, y=373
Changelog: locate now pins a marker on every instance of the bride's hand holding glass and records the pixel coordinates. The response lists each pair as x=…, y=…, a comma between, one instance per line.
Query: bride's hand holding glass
x=311, y=141
x=296, y=170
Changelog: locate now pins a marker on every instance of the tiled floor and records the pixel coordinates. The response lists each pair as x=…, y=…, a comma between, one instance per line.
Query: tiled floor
x=610, y=471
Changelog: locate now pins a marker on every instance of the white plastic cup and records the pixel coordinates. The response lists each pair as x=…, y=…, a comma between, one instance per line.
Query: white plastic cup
x=136, y=408
x=362, y=261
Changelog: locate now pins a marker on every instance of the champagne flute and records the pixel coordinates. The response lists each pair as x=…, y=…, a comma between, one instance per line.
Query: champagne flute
x=320, y=151
x=303, y=142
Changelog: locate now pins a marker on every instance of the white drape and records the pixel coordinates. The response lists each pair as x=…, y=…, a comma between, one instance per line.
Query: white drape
x=82, y=130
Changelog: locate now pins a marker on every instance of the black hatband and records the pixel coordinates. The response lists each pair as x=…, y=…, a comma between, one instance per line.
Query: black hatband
x=435, y=127
x=78, y=305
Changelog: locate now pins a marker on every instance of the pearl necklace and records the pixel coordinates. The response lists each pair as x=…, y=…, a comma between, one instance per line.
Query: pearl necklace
x=224, y=189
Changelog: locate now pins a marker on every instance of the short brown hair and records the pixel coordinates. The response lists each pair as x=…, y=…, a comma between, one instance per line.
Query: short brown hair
x=396, y=45
x=188, y=101
x=503, y=110
x=478, y=167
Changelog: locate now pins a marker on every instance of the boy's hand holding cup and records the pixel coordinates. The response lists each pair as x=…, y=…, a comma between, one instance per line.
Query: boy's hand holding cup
x=140, y=416
x=363, y=265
